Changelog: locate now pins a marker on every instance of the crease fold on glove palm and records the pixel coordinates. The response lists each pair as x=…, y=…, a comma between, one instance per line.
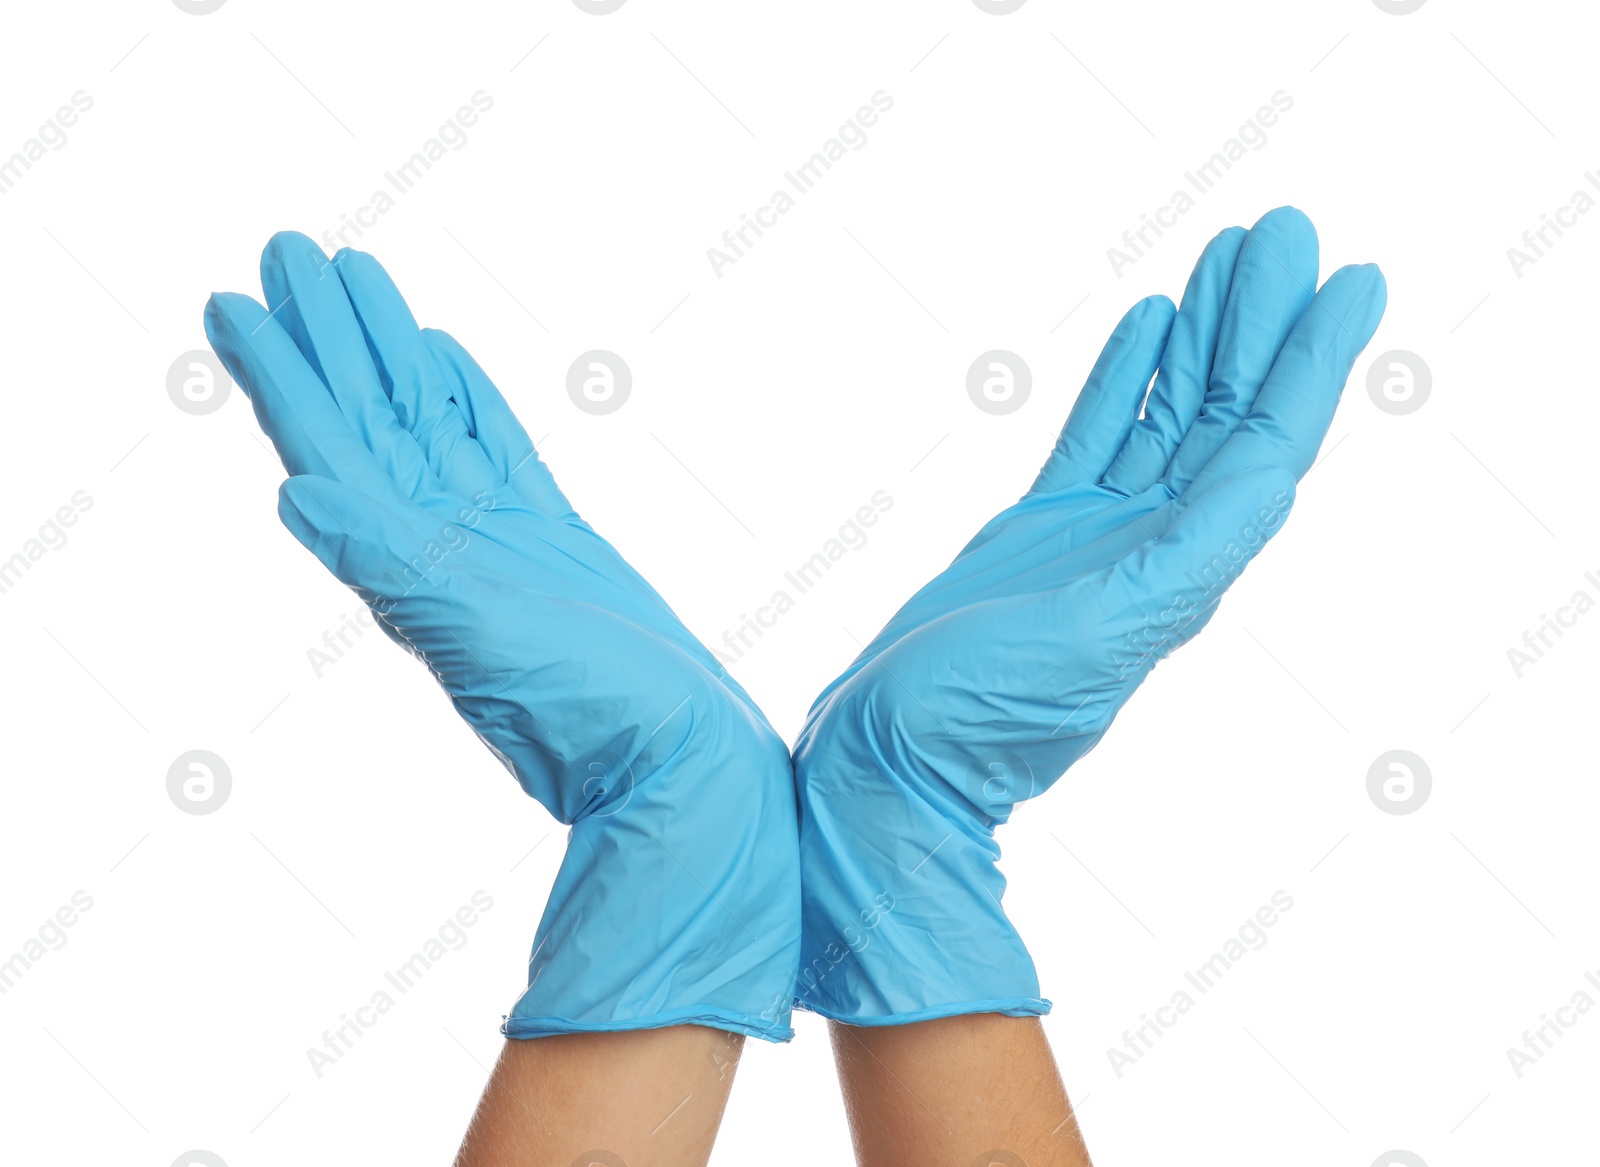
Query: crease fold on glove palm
x=412, y=481
x=1009, y=666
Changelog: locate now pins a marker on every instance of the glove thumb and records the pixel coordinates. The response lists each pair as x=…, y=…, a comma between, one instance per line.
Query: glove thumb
x=360, y=540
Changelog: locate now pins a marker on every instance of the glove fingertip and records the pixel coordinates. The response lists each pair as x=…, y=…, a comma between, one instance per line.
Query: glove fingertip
x=1377, y=295
x=353, y=264
x=290, y=245
x=1158, y=306
x=230, y=320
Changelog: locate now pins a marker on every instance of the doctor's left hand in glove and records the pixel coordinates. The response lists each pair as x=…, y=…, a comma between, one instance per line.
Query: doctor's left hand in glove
x=411, y=480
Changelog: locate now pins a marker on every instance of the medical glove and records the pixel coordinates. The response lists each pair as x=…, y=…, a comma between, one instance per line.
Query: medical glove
x=1009, y=667
x=412, y=481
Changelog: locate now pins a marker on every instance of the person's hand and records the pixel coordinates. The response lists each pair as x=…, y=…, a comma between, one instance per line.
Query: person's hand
x=1008, y=667
x=415, y=485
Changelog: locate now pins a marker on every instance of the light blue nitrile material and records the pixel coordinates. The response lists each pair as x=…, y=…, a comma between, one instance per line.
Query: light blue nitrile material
x=414, y=484
x=1009, y=667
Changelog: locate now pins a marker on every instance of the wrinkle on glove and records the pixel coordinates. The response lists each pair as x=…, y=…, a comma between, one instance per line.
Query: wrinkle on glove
x=414, y=484
x=1011, y=665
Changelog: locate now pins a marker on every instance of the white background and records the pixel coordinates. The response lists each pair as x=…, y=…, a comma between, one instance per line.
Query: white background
x=768, y=404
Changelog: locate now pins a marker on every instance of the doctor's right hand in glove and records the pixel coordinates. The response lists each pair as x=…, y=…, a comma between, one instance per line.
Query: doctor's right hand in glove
x=1007, y=668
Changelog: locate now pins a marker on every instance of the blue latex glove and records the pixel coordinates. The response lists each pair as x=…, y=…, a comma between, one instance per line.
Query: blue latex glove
x=1008, y=667
x=415, y=485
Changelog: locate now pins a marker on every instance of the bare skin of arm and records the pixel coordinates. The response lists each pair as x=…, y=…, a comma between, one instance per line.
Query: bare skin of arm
x=642, y=1098
x=965, y=1091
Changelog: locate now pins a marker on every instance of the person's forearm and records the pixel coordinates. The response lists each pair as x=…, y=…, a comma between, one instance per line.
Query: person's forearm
x=641, y=1098
x=979, y=1089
